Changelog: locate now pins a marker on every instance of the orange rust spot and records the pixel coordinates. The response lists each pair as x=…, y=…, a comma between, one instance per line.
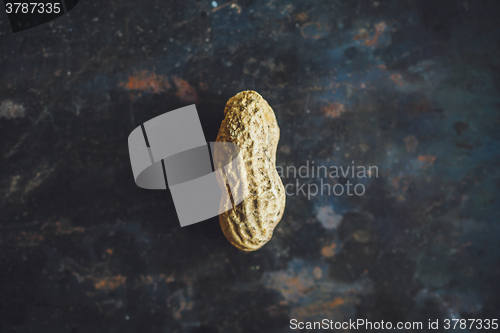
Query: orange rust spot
x=185, y=92
x=109, y=282
x=146, y=279
x=292, y=287
x=402, y=183
x=329, y=251
x=302, y=17
x=312, y=30
x=34, y=238
x=145, y=81
x=428, y=159
x=203, y=86
x=363, y=34
x=379, y=30
x=317, y=273
x=315, y=309
x=167, y=279
x=295, y=283
x=273, y=310
x=238, y=8
x=161, y=278
x=397, y=79
x=64, y=228
x=411, y=143
x=109, y=251
x=336, y=302
x=333, y=110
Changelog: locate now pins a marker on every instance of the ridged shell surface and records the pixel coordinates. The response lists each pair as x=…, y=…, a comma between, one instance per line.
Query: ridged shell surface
x=251, y=124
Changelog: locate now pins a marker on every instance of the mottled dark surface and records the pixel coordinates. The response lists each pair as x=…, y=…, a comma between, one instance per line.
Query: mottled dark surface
x=411, y=87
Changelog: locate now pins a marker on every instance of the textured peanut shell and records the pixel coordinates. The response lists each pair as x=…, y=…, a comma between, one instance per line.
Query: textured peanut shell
x=251, y=124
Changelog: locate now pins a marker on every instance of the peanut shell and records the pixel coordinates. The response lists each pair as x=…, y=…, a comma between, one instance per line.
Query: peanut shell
x=251, y=124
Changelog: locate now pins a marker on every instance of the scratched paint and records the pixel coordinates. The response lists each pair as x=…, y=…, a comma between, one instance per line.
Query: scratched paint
x=146, y=81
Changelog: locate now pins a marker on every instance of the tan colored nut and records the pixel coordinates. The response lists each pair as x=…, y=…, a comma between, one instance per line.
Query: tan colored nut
x=251, y=124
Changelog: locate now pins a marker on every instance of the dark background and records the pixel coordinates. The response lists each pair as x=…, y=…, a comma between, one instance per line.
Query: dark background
x=411, y=87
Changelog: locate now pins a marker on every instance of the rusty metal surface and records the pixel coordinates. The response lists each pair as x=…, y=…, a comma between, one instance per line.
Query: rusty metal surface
x=411, y=87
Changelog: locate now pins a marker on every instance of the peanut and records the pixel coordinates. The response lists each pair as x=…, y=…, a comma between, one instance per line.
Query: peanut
x=251, y=124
